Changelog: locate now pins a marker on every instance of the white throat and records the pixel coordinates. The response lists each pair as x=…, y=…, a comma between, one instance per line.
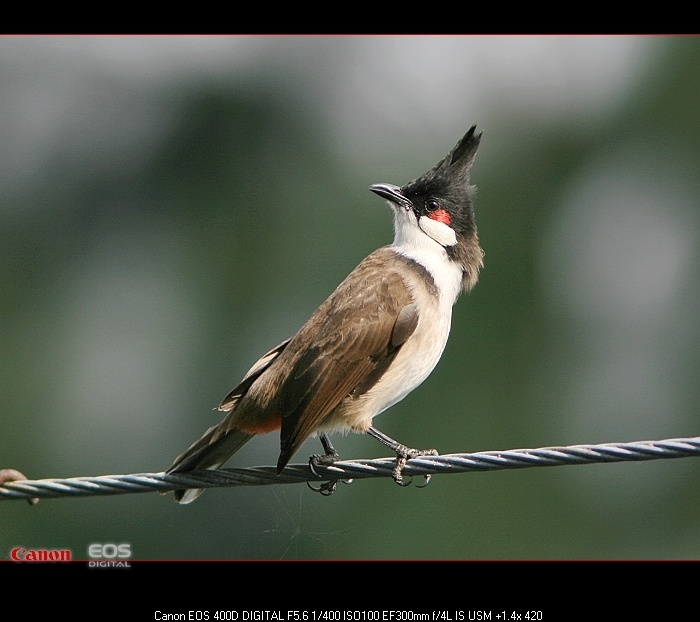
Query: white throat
x=417, y=243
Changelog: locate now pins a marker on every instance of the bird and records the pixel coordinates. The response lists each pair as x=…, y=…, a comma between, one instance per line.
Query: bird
x=372, y=341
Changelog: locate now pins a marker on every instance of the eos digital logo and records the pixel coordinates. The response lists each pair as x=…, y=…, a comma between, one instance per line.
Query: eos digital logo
x=109, y=555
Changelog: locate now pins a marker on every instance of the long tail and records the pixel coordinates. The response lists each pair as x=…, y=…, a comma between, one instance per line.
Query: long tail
x=205, y=454
x=223, y=440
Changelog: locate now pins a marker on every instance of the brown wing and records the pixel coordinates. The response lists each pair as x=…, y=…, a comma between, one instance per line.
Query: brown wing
x=346, y=344
x=218, y=443
x=251, y=376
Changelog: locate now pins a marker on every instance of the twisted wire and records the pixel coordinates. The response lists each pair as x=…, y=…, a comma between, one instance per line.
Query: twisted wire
x=352, y=469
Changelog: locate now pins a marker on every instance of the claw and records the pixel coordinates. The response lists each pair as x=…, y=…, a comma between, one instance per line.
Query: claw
x=426, y=482
x=326, y=489
x=313, y=461
x=329, y=487
x=403, y=454
x=397, y=472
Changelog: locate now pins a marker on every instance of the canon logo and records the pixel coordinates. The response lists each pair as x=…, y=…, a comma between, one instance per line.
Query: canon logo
x=20, y=554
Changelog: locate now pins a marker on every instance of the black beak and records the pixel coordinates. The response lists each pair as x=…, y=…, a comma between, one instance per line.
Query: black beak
x=391, y=193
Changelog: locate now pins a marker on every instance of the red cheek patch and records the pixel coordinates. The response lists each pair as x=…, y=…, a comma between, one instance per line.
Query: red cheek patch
x=441, y=216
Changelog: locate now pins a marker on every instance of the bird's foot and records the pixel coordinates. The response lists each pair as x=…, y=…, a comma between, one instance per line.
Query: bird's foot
x=329, y=487
x=323, y=460
x=326, y=489
x=403, y=455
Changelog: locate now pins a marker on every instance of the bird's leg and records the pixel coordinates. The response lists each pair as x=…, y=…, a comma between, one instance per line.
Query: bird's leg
x=329, y=457
x=403, y=454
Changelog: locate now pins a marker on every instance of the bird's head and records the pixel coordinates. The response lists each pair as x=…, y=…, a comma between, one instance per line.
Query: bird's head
x=436, y=208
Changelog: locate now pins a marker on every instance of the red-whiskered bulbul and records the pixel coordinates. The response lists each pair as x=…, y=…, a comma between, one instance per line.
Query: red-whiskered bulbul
x=373, y=340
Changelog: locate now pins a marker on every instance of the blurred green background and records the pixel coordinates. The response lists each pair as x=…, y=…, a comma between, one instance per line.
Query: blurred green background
x=172, y=207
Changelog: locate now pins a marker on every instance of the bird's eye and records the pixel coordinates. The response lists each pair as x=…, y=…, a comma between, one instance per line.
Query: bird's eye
x=432, y=204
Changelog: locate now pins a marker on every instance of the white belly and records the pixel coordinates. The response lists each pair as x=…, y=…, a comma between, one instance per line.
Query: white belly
x=418, y=356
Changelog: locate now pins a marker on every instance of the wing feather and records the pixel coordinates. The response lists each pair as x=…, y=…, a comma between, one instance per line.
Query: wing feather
x=352, y=334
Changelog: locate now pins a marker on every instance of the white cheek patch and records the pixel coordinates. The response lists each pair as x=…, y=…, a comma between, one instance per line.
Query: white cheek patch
x=440, y=232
